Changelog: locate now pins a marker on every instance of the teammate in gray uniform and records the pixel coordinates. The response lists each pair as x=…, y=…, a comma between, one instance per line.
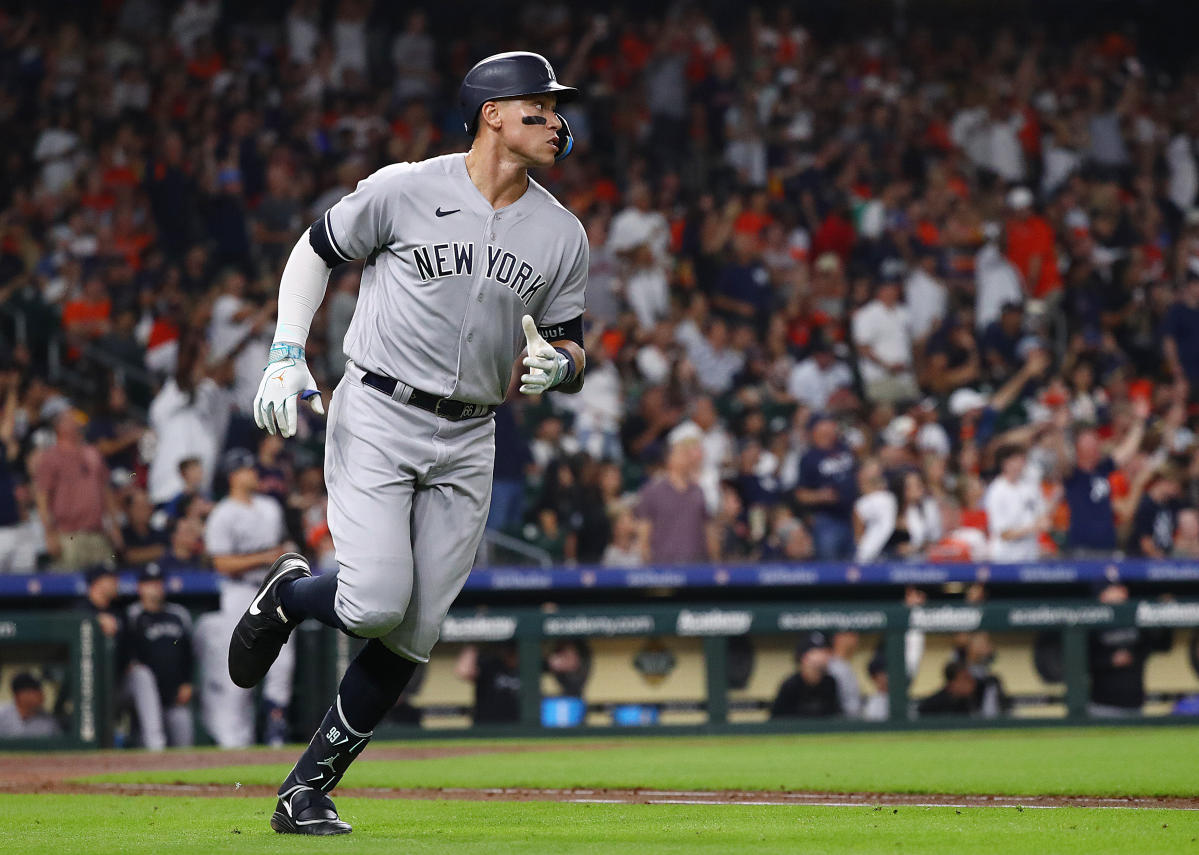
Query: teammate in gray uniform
x=244, y=533
x=467, y=259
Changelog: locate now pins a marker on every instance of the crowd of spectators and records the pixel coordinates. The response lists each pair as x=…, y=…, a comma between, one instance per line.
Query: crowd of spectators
x=851, y=297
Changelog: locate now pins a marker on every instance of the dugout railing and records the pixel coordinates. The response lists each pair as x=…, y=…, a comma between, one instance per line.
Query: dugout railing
x=86, y=701
x=531, y=628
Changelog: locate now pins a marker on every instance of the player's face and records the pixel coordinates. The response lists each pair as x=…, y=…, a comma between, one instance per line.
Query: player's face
x=523, y=132
x=152, y=594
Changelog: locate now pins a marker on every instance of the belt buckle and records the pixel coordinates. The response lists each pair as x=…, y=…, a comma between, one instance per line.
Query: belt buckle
x=437, y=409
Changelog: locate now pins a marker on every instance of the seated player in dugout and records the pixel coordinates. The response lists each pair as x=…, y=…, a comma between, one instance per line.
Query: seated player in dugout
x=811, y=692
x=466, y=259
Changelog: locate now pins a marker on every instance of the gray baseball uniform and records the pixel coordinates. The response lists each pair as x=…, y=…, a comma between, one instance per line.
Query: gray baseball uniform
x=234, y=528
x=446, y=281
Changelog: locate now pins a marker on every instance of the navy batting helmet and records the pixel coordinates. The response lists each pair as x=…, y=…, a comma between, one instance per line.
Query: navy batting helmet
x=508, y=75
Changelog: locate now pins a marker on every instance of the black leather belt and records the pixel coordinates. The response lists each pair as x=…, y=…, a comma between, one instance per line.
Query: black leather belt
x=446, y=408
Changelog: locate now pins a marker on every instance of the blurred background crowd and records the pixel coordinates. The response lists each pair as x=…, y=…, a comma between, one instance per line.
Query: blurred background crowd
x=924, y=291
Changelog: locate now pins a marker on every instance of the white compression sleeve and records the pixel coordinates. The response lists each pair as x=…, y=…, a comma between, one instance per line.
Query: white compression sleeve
x=301, y=290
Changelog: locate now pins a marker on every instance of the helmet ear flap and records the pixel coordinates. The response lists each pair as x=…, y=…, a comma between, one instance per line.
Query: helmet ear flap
x=566, y=142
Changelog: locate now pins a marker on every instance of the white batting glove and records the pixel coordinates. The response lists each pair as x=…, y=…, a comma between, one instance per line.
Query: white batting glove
x=286, y=381
x=547, y=367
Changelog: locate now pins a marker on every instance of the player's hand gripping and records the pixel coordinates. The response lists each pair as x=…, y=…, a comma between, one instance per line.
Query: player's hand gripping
x=547, y=367
x=285, y=382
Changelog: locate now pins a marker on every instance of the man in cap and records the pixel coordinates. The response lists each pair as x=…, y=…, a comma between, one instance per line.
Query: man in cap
x=244, y=534
x=1016, y=511
x=1153, y=524
x=827, y=489
x=160, y=676
x=1030, y=245
x=675, y=522
x=811, y=692
x=822, y=379
x=1001, y=340
x=882, y=333
x=26, y=717
x=100, y=598
x=1117, y=658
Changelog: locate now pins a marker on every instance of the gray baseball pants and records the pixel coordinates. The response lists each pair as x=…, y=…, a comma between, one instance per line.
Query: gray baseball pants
x=408, y=498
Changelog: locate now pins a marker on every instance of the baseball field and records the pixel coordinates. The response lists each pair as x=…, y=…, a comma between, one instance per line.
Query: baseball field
x=1133, y=790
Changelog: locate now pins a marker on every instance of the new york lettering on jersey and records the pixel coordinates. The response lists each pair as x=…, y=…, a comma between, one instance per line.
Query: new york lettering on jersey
x=437, y=261
x=446, y=278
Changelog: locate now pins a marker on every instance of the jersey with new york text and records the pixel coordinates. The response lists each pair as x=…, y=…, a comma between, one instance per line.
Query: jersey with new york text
x=447, y=278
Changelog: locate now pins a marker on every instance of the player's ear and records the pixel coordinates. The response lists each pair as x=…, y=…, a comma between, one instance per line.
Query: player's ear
x=489, y=114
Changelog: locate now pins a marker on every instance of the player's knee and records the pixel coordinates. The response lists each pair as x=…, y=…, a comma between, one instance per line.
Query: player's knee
x=374, y=624
x=375, y=609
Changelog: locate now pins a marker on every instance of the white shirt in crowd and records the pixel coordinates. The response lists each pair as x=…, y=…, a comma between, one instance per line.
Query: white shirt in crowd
x=877, y=512
x=926, y=299
x=1184, y=177
x=992, y=143
x=653, y=363
x=632, y=228
x=923, y=522
x=303, y=36
x=1012, y=506
x=186, y=428
x=350, y=47
x=716, y=367
x=225, y=335
x=812, y=385
x=597, y=408
x=997, y=282
x=888, y=332
x=1005, y=154
x=1059, y=162
x=848, y=690
x=648, y=292
x=718, y=449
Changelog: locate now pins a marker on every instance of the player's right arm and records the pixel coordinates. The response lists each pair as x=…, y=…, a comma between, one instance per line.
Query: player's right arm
x=352, y=229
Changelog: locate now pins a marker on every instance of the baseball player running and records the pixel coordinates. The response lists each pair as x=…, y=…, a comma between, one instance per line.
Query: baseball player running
x=466, y=260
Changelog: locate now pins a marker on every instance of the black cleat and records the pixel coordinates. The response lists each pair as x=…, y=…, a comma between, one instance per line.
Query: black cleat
x=264, y=628
x=303, y=810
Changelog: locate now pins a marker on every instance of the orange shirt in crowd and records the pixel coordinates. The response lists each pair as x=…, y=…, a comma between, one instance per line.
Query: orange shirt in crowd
x=752, y=222
x=80, y=311
x=1033, y=238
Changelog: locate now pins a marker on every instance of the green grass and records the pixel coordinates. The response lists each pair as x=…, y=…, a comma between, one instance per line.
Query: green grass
x=130, y=825
x=1103, y=762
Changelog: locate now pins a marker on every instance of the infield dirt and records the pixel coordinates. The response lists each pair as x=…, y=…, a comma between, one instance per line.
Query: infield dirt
x=59, y=773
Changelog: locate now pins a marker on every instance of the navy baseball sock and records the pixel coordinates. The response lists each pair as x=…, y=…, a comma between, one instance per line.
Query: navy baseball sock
x=312, y=597
x=371, y=686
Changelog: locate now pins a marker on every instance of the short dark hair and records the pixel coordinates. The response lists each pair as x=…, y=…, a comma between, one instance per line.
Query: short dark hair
x=954, y=667
x=24, y=681
x=1007, y=452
